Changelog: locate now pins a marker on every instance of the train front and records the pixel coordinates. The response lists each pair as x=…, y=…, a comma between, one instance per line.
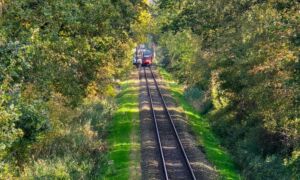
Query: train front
x=147, y=58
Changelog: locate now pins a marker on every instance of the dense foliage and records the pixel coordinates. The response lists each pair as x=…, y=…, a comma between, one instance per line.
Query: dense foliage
x=59, y=61
x=58, y=65
x=240, y=61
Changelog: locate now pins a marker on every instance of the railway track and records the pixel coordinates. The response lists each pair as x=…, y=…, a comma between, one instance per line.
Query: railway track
x=175, y=163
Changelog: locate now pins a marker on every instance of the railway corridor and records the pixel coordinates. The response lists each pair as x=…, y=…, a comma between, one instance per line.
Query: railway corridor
x=168, y=149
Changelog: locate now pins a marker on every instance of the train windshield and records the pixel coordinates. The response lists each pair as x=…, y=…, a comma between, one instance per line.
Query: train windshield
x=147, y=53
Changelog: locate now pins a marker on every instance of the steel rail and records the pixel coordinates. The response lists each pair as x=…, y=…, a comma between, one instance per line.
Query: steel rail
x=173, y=125
x=156, y=129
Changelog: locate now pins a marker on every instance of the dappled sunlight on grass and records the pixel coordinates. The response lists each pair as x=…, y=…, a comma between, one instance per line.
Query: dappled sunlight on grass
x=127, y=110
x=192, y=114
x=130, y=81
x=130, y=105
x=120, y=141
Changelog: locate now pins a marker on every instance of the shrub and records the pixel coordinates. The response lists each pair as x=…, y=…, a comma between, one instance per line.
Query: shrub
x=200, y=99
x=32, y=121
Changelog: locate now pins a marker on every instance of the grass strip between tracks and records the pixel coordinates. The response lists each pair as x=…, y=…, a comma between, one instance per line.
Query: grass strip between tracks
x=123, y=139
x=201, y=128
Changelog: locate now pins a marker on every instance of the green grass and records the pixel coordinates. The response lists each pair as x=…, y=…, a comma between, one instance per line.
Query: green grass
x=123, y=142
x=201, y=128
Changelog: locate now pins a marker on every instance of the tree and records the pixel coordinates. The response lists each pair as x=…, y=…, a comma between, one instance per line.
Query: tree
x=58, y=47
x=248, y=51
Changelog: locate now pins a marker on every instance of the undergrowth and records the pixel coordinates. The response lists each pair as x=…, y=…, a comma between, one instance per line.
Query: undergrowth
x=73, y=147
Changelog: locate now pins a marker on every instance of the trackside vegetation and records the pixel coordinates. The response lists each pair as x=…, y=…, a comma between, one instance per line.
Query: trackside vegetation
x=200, y=126
x=123, y=155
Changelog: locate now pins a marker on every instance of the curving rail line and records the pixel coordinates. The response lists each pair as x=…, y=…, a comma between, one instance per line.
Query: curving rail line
x=166, y=111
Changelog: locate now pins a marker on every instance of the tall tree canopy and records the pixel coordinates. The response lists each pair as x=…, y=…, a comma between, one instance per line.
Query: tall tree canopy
x=70, y=47
x=244, y=56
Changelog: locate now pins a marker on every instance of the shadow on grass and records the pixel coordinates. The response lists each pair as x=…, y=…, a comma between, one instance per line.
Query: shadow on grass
x=119, y=140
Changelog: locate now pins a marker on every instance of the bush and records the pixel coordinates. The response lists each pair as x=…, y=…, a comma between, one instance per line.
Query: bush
x=73, y=148
x=32, y=121
x=200, y=99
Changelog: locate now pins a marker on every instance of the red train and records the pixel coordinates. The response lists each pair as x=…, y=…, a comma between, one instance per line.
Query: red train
x=143, y=56
x=147, y=58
